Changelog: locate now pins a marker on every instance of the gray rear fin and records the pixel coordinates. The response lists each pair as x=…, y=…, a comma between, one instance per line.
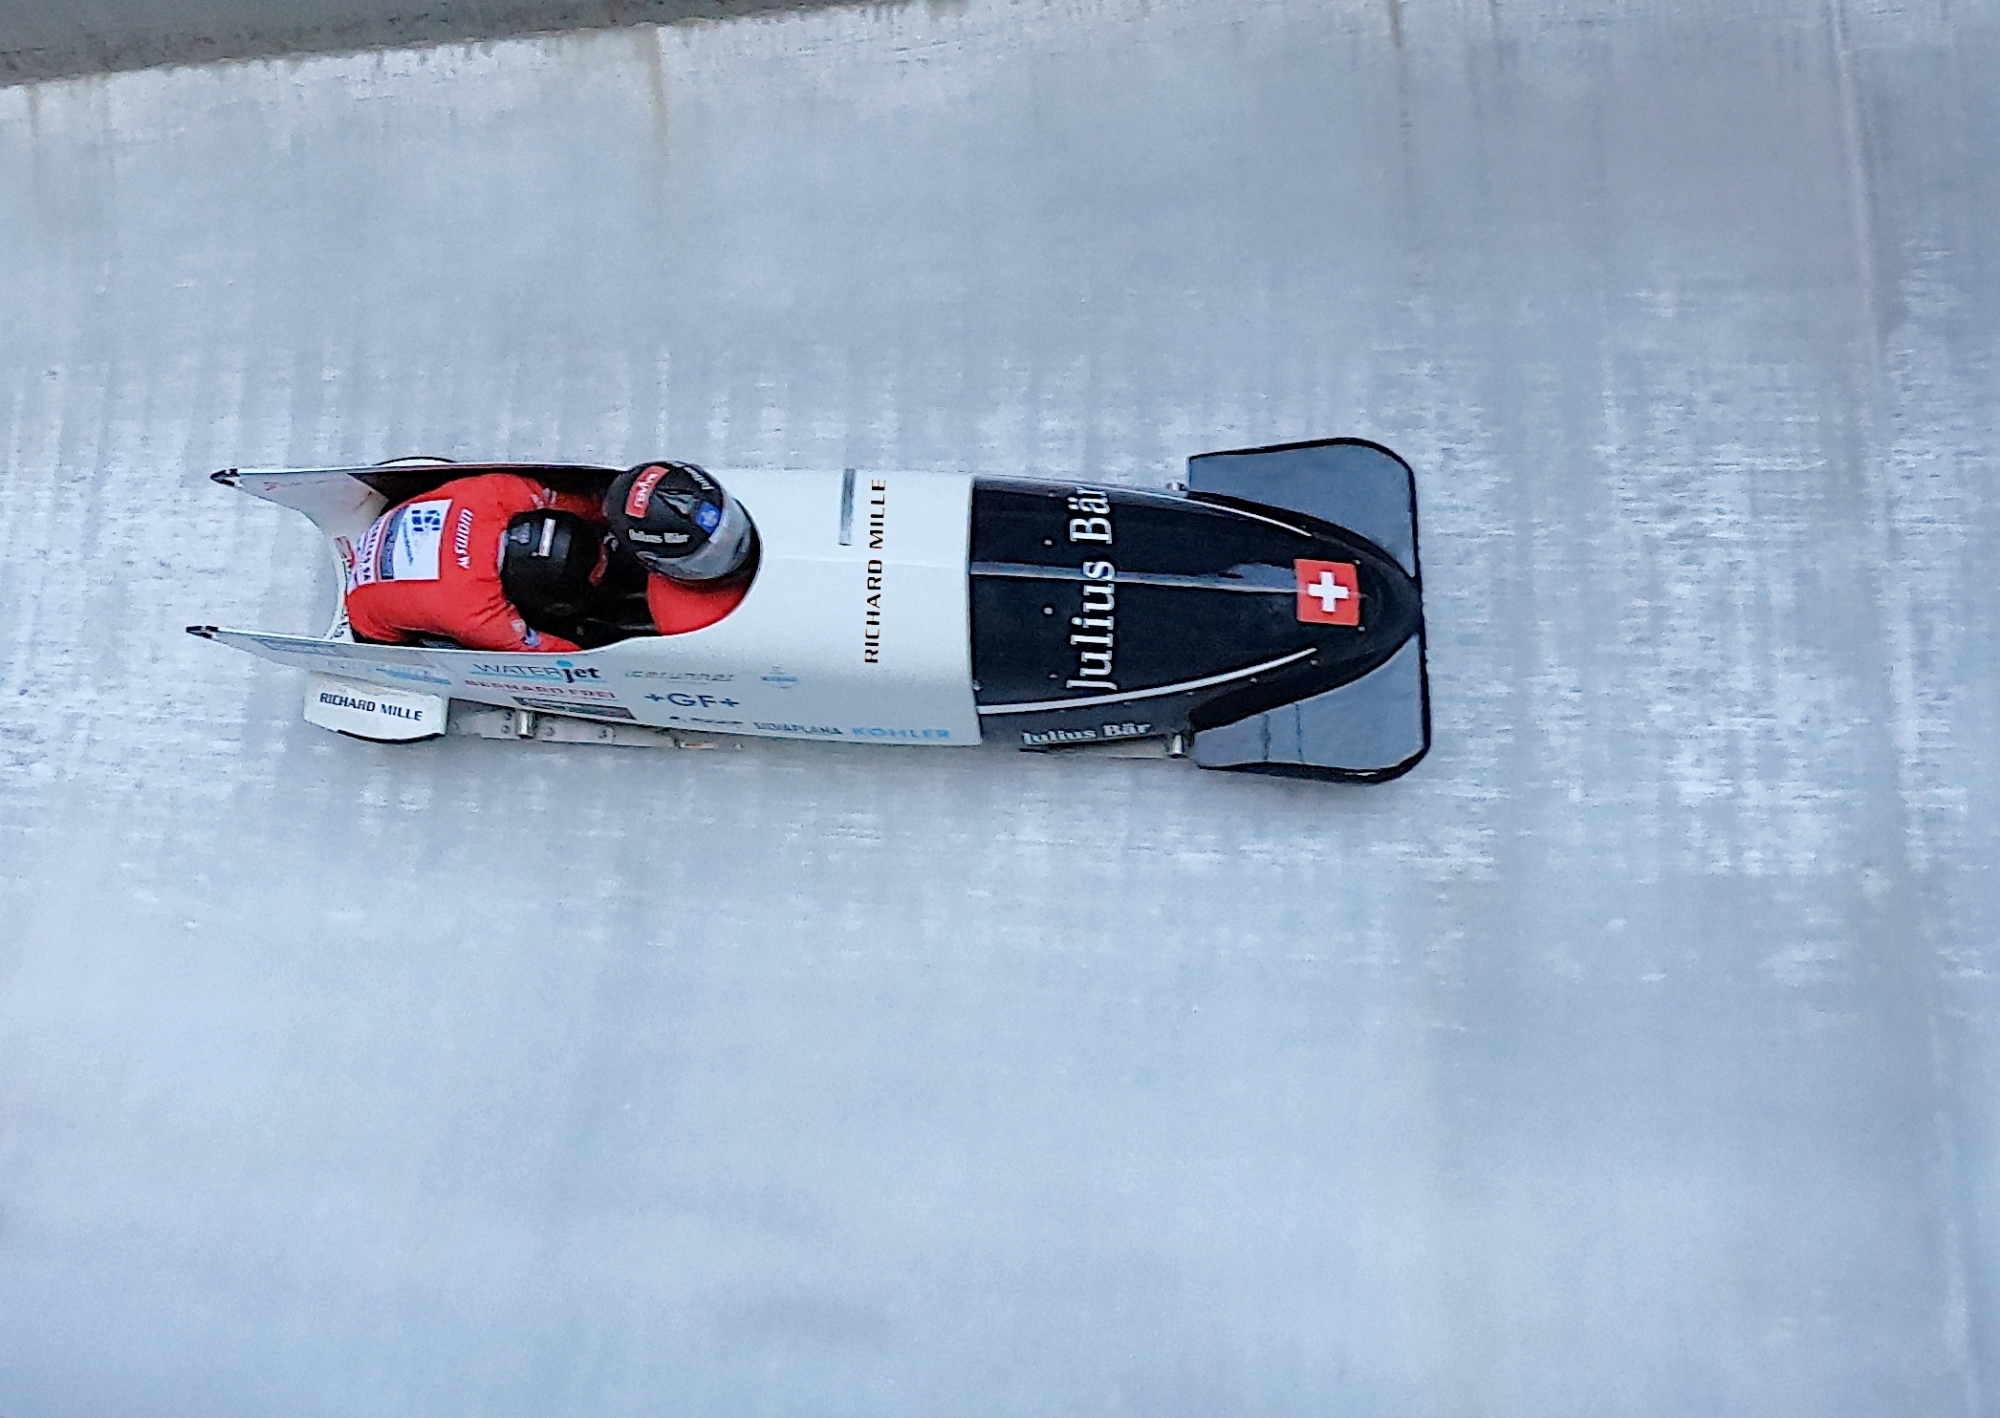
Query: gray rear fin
x=1373, y=729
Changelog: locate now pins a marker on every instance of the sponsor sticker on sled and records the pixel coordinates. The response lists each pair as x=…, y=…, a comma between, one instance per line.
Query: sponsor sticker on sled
x=1329, y=592
x=373, y=711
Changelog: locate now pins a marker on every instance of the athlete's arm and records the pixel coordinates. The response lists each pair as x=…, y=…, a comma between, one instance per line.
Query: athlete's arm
x=496, y=625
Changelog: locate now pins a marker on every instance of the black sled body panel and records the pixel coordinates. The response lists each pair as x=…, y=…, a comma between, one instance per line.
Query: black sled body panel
x=1107, y=613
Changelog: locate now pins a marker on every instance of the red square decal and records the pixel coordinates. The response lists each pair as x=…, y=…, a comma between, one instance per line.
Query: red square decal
x=1329, y=592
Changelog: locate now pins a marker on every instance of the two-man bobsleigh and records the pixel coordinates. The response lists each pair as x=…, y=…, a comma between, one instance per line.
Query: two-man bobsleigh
x=1268, y=613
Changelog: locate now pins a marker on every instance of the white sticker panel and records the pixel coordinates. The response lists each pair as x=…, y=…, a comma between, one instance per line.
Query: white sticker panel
x=372, y=712
x=416, y=535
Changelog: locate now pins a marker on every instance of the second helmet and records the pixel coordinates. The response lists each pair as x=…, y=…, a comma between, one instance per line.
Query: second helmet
x=679, y=522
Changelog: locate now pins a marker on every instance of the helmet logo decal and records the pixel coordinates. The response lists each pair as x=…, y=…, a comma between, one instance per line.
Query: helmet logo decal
x=642, y=490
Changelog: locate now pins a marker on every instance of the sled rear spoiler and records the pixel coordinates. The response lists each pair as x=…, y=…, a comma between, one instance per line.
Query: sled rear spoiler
x=1378, y=726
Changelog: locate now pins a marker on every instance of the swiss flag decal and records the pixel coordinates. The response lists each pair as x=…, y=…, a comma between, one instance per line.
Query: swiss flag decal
x=1329, y=592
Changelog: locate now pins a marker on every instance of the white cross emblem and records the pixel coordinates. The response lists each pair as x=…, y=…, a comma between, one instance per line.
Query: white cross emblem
x=1329, y=592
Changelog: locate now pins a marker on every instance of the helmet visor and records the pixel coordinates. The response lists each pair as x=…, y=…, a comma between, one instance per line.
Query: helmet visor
x=723, y=553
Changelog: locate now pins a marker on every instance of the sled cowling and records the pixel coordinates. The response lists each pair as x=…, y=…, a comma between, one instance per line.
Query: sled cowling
x=1370, y=729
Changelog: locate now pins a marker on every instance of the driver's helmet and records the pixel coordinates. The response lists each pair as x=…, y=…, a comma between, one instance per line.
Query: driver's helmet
x=548, y=563
x=679, y=523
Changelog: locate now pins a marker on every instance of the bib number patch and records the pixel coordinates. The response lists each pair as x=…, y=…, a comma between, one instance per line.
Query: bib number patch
x=402, y=546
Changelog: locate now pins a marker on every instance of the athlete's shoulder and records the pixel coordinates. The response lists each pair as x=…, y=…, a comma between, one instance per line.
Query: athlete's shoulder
x=510, y=490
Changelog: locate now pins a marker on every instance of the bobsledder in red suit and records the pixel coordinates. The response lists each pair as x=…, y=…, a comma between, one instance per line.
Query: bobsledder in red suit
x=471, y=561
x=491, y=560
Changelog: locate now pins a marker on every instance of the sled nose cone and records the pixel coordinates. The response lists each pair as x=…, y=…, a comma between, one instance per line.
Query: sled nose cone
x=1352, y=609
x=1360, y=711
x=1367, y=716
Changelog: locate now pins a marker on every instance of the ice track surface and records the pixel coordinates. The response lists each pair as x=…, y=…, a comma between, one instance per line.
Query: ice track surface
x=1636, y=1054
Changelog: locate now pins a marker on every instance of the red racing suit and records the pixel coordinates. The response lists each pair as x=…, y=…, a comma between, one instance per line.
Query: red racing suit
x=678, y=607
x=431, y=566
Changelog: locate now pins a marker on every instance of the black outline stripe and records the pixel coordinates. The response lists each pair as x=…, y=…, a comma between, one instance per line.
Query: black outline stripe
x=1184, y=687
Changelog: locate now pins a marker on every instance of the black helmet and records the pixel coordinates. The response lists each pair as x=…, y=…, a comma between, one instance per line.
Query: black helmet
x=547, y=562
x=678, y=522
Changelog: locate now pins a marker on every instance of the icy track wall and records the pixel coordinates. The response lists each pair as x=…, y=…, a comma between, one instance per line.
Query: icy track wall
x=1636, y=1054
x=40, y=40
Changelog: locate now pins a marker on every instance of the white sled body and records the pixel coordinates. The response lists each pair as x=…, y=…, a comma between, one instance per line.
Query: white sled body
x=854, y=627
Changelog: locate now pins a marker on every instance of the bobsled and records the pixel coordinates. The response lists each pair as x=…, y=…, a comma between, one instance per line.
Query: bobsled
x=1265, y=616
